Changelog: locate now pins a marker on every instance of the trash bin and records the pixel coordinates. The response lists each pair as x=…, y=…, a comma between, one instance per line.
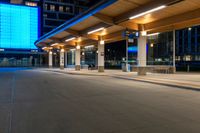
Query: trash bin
x=126, y=68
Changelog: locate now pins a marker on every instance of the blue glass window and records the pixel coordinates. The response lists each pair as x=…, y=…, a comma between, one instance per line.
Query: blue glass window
x=18, y=26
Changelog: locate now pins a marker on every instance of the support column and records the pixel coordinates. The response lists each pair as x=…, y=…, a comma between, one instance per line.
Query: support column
x=62, y=58
x=174, y=51
x=78, y=59
x=142, y=54
x=50, y=59
x=100, y=56
x=142, y=50
x=65, y=59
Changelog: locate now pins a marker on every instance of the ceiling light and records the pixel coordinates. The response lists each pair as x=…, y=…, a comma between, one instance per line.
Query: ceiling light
x=78, y=47
x=90, y=46
x=72, y=49
x=96, y=30
x=54, y=44
x=144, y=33
x=62, y=50
x=102, y=42
x=147, y=12
x=153, y=34
x=44, y=48
x=70, y=39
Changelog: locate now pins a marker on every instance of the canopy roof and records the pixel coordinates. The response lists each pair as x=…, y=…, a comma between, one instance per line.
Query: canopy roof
x=114, y=17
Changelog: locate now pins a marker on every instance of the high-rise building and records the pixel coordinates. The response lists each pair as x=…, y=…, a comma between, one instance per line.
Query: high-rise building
x=17, y=49
x=5, y=1
x=56, y=12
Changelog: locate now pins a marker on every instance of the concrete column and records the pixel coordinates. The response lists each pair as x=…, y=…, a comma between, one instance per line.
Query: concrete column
x=62, y=58
x=174, y=51
x=100, y=57
x=65, y=59
x=78, y=59
x=142, y=52
x=30, y=60
x=50, y=59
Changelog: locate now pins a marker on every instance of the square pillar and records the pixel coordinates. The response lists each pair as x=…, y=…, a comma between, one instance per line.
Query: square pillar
x=62, y=58
x=65, y=59
x=142, y=54
x=174, y=52
x=142, y=51
x=78, y=59
x=50, y=59
x=100, y=56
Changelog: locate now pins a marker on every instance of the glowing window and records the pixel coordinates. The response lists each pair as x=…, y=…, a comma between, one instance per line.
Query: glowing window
x=19, y=26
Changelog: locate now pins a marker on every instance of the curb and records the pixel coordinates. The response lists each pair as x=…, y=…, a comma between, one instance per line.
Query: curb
x=160, y=83
x=133, y=79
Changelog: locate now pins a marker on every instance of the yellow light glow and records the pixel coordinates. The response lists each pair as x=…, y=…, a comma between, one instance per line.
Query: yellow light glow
x=144, y=33
x=62, y=50
x=102, y=42
x=78, y=47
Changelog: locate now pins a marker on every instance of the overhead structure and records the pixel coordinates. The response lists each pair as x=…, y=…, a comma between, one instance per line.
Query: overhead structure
x=110, y=18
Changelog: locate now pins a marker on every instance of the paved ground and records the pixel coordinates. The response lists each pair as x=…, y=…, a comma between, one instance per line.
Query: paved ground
x=183, y=80
x=34, y=101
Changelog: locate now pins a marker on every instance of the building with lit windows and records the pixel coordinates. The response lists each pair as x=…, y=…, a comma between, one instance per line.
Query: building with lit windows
x=56, y=12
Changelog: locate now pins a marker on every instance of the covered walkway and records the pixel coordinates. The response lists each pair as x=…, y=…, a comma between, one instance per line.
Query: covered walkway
x=114, y=20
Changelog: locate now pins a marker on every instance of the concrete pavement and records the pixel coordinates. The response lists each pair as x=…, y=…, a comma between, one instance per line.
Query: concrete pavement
x=181, y=80
x=35, y=101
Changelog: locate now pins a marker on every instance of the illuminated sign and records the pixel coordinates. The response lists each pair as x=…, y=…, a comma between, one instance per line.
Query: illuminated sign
x=19, y=26
x=133, y=49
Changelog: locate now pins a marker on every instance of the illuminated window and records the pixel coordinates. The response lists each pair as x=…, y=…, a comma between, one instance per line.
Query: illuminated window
x=67, y=9
x=52, y=7
x=18, y=26
x=46, y=7
x=31, y=4
x=61, y=8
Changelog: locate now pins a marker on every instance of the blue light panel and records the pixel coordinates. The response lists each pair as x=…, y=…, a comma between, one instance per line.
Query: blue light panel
x=133, y=49
x=18, y=26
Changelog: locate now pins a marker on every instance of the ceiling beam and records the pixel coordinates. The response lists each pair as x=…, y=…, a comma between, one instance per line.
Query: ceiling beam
x=104, y=18
x=188, y=19
x=129, y=25
x=113, y=36
x=73, y=32
x=55, y=39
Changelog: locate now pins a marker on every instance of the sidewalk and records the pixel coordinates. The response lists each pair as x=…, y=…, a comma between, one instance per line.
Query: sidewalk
x=182, y=80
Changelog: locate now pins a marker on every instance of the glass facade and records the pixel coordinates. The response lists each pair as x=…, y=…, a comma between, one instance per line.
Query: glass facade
x=89, y=56
x=160, y=49
x=132, y=52
x=22, y=59
x=19, y=27
x=188, y=49
x=115, y=53
x=71, y=57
